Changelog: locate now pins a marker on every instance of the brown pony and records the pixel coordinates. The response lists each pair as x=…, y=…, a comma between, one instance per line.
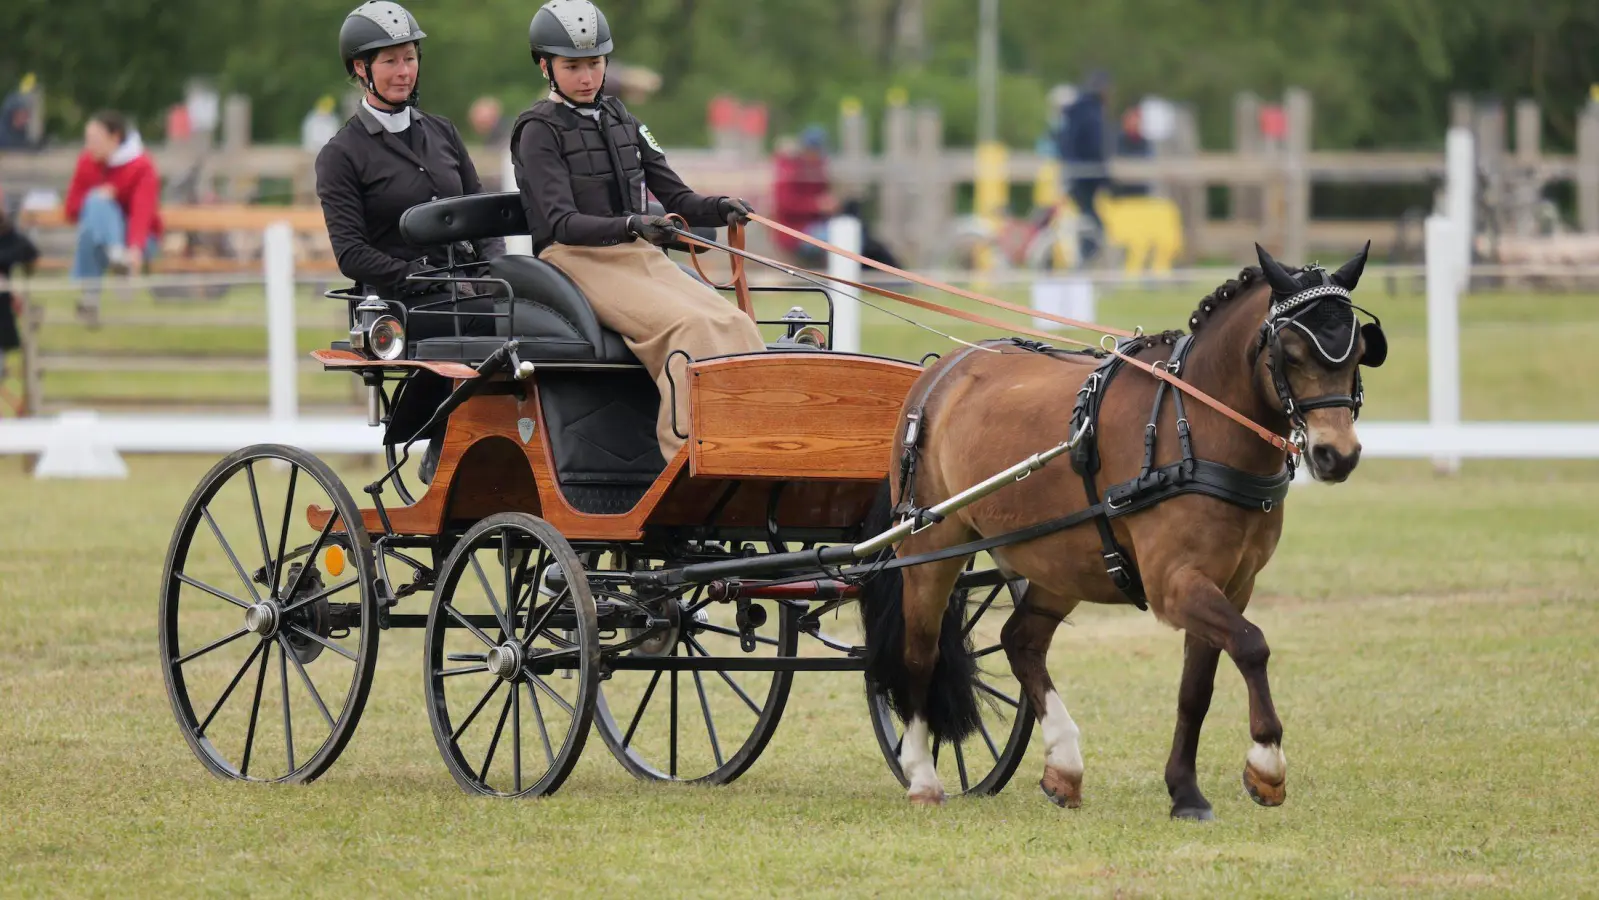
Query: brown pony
x=1259, y=344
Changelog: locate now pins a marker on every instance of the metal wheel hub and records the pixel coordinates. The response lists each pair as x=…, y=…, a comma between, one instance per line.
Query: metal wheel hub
x=262, y=618
x=505, y=661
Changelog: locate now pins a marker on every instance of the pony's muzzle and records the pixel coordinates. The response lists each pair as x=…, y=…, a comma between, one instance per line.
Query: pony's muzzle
x=1328, y=463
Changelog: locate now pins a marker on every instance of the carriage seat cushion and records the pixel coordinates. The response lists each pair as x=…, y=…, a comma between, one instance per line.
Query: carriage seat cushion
x=546, y=335
x=533, y=279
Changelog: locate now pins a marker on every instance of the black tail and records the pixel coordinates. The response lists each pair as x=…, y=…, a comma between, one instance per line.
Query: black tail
x=952, y=712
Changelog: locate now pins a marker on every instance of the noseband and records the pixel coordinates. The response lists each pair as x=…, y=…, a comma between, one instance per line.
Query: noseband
x=1288, y=314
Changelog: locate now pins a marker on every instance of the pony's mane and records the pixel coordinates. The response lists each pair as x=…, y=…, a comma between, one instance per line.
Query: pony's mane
x=1215, y=300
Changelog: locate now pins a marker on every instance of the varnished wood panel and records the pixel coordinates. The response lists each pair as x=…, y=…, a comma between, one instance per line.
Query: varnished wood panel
x=477, y=477
x=823, y=424
x=796, y=416
x=349, y=359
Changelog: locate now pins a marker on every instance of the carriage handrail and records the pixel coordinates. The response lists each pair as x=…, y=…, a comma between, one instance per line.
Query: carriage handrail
x=501, y=360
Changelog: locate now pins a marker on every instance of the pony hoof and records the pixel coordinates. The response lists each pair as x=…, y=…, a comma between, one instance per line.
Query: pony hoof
x=1262, y=791
x=1062, y=789
x=926, y=797
x=1193, y=813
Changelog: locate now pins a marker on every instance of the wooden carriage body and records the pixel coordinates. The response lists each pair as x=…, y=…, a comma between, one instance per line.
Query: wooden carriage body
x=782, y=445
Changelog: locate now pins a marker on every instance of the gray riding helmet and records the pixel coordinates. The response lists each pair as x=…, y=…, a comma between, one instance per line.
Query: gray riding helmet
x=374, y=25
x=574, y=29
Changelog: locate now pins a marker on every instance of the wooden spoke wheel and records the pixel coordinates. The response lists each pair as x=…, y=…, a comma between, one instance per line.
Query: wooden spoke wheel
x=676, y=704
x=268, y=628
x=511, y=665
x=982, y=764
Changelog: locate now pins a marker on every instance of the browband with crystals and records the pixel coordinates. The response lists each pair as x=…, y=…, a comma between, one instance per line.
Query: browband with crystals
x=1319, y=292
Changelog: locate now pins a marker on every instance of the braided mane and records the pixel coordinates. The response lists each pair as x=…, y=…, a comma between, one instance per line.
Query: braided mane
x=1248, y=278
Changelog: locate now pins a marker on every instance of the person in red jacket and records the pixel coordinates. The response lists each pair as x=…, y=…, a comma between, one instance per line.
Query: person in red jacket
x=802, y=189
x=114, y=198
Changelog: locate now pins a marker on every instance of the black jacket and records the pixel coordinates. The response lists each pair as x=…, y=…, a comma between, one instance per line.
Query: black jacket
x=367, y=177
x=580, y=181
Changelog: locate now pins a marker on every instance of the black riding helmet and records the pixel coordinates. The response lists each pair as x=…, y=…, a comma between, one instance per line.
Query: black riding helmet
x=575, y=29
x=371, y=27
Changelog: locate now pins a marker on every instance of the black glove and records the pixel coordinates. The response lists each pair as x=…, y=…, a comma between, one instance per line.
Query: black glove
x=658, y=230
x=734, y=210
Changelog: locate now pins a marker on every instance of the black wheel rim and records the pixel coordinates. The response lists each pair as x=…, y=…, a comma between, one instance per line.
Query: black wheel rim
x=704, y=727
x=982, y=764
x=511, y=661
x=266, y=650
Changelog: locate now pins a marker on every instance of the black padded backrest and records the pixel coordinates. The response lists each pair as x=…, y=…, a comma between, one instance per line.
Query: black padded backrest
x=474, y=217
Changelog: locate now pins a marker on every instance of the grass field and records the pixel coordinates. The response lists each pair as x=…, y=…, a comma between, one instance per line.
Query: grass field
x=1433, y=663
x=1524, y=356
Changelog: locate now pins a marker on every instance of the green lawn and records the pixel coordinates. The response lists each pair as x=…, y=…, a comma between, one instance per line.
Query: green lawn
x=1523, y=356
x=1433, y=661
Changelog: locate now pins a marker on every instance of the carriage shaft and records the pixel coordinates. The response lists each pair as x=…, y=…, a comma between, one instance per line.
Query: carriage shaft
x=823, y=557
x=967, y=497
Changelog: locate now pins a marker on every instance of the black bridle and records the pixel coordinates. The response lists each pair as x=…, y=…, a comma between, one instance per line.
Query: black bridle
x=1287, y=314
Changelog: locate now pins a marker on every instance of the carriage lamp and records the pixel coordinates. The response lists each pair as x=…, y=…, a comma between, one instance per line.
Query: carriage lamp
x=387, y=338
x=802, y=331
x=376, y=331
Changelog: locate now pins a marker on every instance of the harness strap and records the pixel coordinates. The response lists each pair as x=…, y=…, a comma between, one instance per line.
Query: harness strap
x=1266, y=434
x=910, y=449
x=936, y=285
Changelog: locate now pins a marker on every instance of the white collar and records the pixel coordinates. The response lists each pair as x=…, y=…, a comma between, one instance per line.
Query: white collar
x=127, y=151
x=392, y=122
x=592, y=112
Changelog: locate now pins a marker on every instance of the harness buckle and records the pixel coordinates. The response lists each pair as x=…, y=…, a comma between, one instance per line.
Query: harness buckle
x=913, y=428
x=1116, y=568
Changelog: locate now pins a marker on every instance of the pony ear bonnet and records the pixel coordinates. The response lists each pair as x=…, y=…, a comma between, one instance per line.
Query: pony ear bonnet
x=1281, y=282
x=1349, y=274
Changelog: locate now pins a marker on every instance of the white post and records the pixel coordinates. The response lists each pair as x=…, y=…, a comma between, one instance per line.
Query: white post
x=1443, y=333
x=845, y=232
x=283, y=374
x=1460, y=197
x=520, y=244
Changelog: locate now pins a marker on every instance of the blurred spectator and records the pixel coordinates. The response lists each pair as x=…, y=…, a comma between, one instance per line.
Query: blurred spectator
x=319, y=125
x=804, y=200
x=489, y=123
x=1083, y=149
x=114, y=198
x=803, y=196
x=20, y=123
x=16, y=251
x=1132, y=142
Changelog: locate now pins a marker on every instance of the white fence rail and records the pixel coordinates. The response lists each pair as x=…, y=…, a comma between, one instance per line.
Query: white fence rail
x=86, y=444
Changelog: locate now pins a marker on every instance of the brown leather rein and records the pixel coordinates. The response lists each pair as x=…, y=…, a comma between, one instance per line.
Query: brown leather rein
x=740, y=286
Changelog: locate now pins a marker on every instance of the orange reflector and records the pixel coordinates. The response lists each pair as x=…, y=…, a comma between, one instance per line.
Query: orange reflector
x=334, y=561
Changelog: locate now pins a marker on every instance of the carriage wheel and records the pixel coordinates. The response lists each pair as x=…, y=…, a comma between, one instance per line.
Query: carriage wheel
x=698, y=726
x=511, y=670
x=252, y=593
x=983, y=763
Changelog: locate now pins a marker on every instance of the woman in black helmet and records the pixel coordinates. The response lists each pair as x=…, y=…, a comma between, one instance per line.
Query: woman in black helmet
x=585, y=167
x=389, y=157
